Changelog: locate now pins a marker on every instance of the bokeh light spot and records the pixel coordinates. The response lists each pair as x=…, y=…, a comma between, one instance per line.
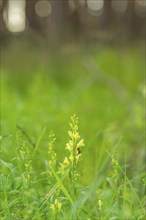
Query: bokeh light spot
x=43, y=8
x=120, y=5
x=95, y=7
x=15, y=19
x=140, y=8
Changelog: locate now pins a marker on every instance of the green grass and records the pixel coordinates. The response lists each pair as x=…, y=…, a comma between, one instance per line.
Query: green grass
x=105, y=89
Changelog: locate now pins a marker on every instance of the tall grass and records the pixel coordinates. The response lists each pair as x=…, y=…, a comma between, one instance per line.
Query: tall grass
x=91, y=168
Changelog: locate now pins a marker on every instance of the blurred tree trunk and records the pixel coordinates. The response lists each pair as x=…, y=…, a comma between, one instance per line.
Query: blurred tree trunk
x=75, y=20
x=107, y=16
x=3, y=5
x=30, y=14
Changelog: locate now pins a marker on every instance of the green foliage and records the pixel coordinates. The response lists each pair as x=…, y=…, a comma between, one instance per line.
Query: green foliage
x=47, y=176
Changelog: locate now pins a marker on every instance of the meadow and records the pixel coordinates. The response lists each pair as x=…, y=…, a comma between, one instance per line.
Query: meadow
x=72, y=134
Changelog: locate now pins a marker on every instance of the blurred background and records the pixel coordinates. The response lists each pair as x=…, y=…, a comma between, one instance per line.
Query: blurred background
x=60, y=57
x=92, y=20
x=45, y=26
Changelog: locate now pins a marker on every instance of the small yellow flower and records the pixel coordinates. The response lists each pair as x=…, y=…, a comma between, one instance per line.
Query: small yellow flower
x=114, y=162
x=68, y=147
x=100, y=203
x=52, y=207
x=76, y=135
x=71, y=157
x=66, y=161
x=81, y=143
x=26, y=165
x=59, y=206
x=56, y=207
x=56, y=201
x=70, y=134
x=78, y=157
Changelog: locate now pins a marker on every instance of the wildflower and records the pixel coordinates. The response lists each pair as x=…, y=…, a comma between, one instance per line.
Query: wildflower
x=69, y=165
x=114, y=162
x=24, y=156
x=56, y=206
x=52, y=206
x=115, y=168
x=76, y=135
x=100, y=199
x=66, y=161
x=51, y=152
x=99, y=204
x=68, y=147
x=74, y=144
x=59, y=206
x=78, y=157
x=71, y=157
x=70, y=134
x=80, y=144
